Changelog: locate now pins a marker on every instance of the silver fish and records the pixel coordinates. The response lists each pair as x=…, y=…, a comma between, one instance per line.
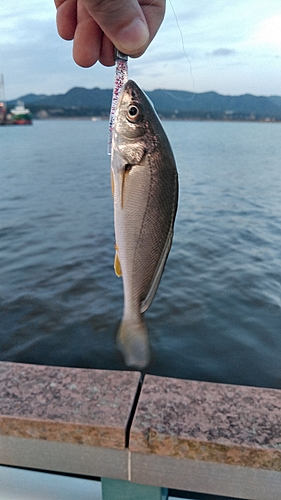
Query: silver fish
x=145, y=191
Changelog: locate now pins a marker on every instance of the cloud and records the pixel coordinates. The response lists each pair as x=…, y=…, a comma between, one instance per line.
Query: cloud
x=34, y=59
x=207, y=42
x=269, y=32
x=221, y=52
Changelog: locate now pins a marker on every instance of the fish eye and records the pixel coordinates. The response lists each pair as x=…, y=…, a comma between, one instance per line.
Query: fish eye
x=133, y=113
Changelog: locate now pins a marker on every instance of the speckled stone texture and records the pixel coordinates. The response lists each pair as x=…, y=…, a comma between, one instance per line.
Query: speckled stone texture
x=70, y=405
x=210, y=422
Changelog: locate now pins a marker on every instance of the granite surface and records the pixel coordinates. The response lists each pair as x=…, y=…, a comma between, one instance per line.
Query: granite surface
x=81, y=406
x=220, y=423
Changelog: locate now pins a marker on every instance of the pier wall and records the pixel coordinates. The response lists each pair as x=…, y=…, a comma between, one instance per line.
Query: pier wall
x=158, y=432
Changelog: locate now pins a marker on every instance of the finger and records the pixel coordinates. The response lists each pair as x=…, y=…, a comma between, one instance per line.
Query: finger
x=87, y=43
x=154, y=12
x=123, y=22
x=107, y=52
x=58, y=3
x=66, y=18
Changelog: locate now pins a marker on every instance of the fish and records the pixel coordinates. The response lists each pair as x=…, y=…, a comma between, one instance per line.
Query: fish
x=145, y=197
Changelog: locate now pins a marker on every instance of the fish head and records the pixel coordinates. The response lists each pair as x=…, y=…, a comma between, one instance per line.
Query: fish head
x=134, y=133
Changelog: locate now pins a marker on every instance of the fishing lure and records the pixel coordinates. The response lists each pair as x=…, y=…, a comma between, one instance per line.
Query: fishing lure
x=121, y=77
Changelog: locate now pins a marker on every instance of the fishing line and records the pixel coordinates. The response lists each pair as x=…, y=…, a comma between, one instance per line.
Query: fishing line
x=183, y=47
x=184, y=52
x=121, y=76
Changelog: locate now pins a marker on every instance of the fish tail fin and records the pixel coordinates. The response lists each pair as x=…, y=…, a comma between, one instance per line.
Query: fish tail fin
x=133, y=341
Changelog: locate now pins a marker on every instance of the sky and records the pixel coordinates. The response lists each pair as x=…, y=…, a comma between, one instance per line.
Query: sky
x=232, y=48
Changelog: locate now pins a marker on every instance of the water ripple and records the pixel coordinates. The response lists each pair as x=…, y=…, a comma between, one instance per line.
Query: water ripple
x=217, y=313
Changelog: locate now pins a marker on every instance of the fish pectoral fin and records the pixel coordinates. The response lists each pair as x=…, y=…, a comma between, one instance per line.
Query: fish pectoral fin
x=158, y=273
x=117, y=265
x=125, y=173
x=112, y=182
x=123, y=188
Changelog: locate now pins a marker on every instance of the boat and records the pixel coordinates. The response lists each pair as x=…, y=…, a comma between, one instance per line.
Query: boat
x=3, y=113
x=20, y=115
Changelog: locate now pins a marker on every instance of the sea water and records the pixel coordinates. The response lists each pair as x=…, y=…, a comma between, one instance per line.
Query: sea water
x=217, y=313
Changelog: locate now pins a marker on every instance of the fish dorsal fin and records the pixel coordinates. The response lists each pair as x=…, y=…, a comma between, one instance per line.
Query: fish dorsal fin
x=158, y=273
x=117, y=265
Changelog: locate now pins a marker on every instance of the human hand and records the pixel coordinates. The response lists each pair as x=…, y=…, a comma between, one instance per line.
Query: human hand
x=97, y=26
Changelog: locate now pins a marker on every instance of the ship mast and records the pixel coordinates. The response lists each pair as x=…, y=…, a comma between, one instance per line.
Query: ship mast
x=2, y=88
x=2, y=101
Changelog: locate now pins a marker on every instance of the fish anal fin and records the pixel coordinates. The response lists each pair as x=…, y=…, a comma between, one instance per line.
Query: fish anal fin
x=117, y=265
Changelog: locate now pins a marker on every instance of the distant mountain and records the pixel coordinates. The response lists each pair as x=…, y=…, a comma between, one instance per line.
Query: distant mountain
x=28, y=99
x=75, y=98
x=276, y=100
x=169, y=103
x=209, y=102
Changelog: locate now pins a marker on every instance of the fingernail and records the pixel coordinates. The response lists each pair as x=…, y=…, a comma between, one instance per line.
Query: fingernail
x=133, y=37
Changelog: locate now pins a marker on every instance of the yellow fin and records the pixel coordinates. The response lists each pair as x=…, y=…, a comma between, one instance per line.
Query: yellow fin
x=117, y=266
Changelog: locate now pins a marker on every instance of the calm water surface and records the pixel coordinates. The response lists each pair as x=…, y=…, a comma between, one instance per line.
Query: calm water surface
x=217, y=313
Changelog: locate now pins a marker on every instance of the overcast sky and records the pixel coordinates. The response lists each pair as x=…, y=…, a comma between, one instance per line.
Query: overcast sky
x=231, y=47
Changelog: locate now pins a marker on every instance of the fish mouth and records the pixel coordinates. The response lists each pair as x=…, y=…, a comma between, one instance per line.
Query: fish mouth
x=132, y=90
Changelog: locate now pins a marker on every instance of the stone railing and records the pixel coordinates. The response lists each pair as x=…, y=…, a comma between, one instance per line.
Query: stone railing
x=142, y=438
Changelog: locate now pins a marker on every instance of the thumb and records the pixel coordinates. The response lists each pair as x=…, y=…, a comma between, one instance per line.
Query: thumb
x=123, y=22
